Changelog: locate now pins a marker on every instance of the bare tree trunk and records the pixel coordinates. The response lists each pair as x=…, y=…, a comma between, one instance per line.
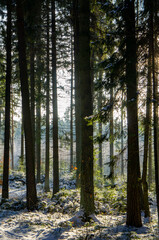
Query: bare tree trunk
x=5, y=192
x=146, y=136
x=32, y=80
x=77, y=92
x=47, y=157
x=55, y=107
x=87, y=186
x=12, y=132
x=100, y=126
x=71, y=107
x=133, y=184
x=122, y=139
x=30, y=167
x=111, y=138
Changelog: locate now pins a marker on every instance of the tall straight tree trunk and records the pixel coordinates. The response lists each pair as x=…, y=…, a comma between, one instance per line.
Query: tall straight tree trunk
x=87, y=186
x=5, y=193
x=32, y=80
x=30, y=167
x=22, y=141
x=55, y=107
x=38, y=99
x=12, y=132
x=71, y=107
x=111, y=138
x=133, y=184
x=155, y=105
x=77, y=92
x=122, y=138
x=47, y=157
x=38, y=134
x=146, y=136
x=100, y=126
x=150, y=152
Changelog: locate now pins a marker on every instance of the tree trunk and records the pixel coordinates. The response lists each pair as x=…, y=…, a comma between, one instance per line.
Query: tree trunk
x=77, y=92
x=87, y=186
x=71, y=107
x=12, y=135
x=111, y=138
x=32, y=81
x=146, y=136
x=100, y=126
x=30, y=168
x=133, y=184
x=155, y=105
x=150, y=153
x=5, y=193
x=22, y=143
x=47, y=157
x=122, y=139
x=55, y=107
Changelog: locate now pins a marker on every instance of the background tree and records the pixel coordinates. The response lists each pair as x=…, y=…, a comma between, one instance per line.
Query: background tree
x=5, y=193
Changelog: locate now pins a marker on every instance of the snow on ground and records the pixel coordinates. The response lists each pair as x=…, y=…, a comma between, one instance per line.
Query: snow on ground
x=51, y=221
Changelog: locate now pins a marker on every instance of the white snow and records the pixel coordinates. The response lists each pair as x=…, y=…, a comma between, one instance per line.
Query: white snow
x=59, y=224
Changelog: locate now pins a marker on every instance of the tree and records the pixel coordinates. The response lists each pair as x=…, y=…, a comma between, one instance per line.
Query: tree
x=5, y=193
x=30, y=167
x=87, y=187
x=133, y=178
x=47, y=157
x=55, y=107
x=77, y=92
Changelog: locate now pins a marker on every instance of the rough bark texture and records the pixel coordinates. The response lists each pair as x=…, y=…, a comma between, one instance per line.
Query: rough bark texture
x=111, y=138
x=122, y=139
x=47, y=156
x=32, y=81
x=77, y=93
x=100, y=126
x=5, y=186
x=55, y=107
x=30, y=169
x=87, y=188
x=71, y=110
x=155, y=105
x=133, y=184
x=147, y=130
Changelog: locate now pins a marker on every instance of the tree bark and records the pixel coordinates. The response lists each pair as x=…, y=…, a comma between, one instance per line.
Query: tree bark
x=133, y=177
x=77, y=92
x=47, y=157
x=30, y=168
x=100, y=126
x=87, y=186
x=71, y=112
x=146, y=136
x=5, y=186
x=55, y=107
x=111, y=138
x=32, y=81
x=122, y=139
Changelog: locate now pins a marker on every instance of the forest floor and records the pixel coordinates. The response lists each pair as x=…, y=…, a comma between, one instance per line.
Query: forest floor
x=52, y=220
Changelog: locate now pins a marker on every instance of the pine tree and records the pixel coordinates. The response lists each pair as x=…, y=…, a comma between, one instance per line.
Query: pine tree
x=30, y=167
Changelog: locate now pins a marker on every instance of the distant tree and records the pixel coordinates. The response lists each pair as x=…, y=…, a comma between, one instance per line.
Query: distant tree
x=47, y=149
x=55, y=106
x=5, y=193
x=77, y=92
